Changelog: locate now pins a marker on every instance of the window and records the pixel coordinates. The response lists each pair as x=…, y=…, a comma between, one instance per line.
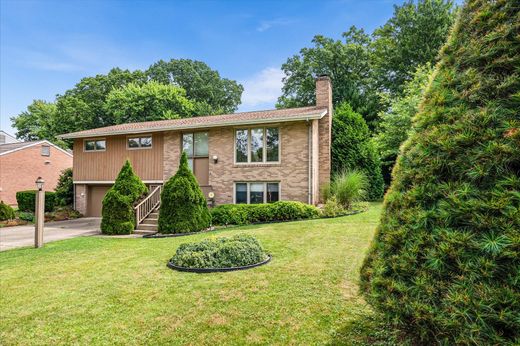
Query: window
x=139, y=142
x=95, y=145
x=195, y=145
x=257, y=145
x=46, y=150
x=256, y=192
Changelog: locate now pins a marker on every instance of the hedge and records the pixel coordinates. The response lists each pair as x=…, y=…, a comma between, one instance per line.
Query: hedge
x=243, y=214
x=239, y=250
x=27, y=200
x=445, y=260
x=6, y=212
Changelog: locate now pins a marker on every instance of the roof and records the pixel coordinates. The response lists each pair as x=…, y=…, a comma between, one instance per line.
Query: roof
x=7, y=138
x=244, y=118
x=12, y=147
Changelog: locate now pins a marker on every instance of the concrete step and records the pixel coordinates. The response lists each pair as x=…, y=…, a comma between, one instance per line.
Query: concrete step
x=149, y=221
x=142, y=231
x=145, y=227
x=154, y=215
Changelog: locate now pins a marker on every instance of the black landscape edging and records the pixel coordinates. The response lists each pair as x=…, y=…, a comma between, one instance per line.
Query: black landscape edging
x=216, y=270
x=173, y=235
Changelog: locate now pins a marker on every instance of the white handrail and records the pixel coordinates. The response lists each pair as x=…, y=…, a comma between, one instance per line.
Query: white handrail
x=147, y=205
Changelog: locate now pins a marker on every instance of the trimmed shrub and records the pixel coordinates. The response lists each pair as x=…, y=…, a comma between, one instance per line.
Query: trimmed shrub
x=183, y=206
x=332, y=208
x=27, y=200
x=118, y=215
x=349, y=187
x=26, y=216
x=128, y=183
x=239, y=250
x=65, y=188
x=445, y=260
x=243, y=214
x=6, y=212
x=352, y=148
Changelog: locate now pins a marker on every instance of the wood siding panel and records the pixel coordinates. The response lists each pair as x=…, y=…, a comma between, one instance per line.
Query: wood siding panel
x=105, y=165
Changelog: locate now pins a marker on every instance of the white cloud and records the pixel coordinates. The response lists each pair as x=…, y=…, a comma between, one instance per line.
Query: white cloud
x=263, y=87
x=268, y=24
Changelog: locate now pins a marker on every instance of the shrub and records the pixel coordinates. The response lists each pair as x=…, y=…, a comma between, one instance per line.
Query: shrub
x=243, y=214
x=349, y=186
x=445, y=259
x=332, y=208
x=27, y=200
x=128, y=183
x=183, y=206
x=65, y=188
x=236, y=251
x=352, y=149
x=6, y=212
x=26, y=216
x=117, y=214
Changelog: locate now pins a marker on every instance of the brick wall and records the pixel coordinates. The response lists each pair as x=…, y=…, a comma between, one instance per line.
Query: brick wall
x=292, y=172
x=81, y=198
x=19, y=170
x=324, y=99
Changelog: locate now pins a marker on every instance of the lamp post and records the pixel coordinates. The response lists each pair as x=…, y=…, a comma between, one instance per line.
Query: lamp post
x=39, y=213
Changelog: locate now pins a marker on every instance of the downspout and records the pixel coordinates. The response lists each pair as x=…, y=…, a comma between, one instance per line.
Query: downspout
x=310, y=201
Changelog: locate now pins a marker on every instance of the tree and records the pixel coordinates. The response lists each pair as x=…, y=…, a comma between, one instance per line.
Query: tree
x=411, y=38
x=396, y=123
x=148, y=102
x=211, y=93
x=65, y=188
x=183, y=206
x=445, y=259
x=353, y=149
x=128, y=183
x=347, y=64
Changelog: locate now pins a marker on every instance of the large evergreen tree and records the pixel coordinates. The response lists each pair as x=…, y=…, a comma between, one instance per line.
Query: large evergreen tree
x=445, y=261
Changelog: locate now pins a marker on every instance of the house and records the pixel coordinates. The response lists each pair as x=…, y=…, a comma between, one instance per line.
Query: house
x=6, y=138
x=21, y=163
x=250, y=157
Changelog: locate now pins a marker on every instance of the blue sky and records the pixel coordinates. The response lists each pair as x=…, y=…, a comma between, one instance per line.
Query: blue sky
x=48, y=46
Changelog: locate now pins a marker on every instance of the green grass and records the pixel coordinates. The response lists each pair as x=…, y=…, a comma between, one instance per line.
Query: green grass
x=99, y=290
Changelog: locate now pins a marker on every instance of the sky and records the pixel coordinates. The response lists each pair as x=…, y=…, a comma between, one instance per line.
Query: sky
x=46, y=47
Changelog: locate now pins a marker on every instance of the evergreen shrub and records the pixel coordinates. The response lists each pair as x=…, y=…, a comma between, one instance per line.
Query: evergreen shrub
x=26, y=200
x=6, y=212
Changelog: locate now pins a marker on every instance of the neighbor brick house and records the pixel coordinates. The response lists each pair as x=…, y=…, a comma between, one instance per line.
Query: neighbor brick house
x=23, y=162
x=250, y=157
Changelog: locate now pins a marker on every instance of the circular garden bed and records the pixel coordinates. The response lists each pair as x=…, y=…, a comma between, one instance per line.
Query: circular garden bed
x=219, y=255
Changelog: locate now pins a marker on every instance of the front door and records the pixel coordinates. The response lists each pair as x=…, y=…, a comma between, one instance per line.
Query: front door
x=195, y=145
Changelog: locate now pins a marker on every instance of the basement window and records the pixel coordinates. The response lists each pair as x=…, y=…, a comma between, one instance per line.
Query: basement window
x=257, y=192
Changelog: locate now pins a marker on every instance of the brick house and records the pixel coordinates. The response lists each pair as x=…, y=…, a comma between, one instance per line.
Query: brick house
x=21, y=163
x=250, y=157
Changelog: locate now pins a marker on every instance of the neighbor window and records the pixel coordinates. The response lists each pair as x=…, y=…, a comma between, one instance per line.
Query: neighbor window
x=257, y=145
x=95, y=145
x=195, y=145
x=256, y=192
x=139, y=142
x=46, y=150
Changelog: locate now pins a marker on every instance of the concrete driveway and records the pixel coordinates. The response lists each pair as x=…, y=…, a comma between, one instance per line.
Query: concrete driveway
x=20, y=236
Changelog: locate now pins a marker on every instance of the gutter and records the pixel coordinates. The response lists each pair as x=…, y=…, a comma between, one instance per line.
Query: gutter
x=196, y=126
x=310, y=201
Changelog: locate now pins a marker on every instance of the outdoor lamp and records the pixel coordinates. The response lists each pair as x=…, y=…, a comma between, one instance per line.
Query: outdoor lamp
x=215, y=158
x=39, y=183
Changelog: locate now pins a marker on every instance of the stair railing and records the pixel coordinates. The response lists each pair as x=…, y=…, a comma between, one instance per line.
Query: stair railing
x=147, y=205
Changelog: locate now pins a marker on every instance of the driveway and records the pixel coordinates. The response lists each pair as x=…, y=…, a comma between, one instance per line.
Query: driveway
x=20, y=236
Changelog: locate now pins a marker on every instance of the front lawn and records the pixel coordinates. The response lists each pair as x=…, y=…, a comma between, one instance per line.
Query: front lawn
x=99, y=290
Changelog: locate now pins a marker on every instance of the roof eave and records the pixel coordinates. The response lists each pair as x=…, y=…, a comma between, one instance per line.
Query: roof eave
x=311, y=116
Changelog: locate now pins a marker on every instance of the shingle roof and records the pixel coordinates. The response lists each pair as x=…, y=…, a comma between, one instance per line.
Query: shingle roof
x=9, y=147
x=255, y=117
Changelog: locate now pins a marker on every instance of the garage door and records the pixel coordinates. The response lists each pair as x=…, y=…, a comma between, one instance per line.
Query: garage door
x=95, y=199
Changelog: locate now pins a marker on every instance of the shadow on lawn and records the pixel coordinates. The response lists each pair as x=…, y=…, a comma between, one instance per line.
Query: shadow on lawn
x=369, y=329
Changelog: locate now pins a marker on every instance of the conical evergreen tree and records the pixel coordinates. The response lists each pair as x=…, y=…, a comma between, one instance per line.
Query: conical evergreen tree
x=128, y=183
x=183, y=206
x=445, y=261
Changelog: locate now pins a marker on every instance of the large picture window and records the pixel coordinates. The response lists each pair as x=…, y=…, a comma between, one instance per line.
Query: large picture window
x=257, y=192
x=257, y=145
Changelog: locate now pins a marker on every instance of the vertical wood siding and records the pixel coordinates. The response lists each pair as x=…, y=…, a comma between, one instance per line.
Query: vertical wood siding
x=105, y=165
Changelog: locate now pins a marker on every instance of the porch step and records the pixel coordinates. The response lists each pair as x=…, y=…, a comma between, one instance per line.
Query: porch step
x=142, y=231
x=146, y=227
x=154, y=215
x=150, y=221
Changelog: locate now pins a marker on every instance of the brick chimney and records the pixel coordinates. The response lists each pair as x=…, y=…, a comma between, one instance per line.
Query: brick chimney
x=324, y=100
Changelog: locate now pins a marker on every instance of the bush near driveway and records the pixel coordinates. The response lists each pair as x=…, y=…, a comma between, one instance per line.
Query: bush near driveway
x=65, y=188
x=236, y=251
x=445, y=260
x=26, y=200
x=183, y=205
x=6, y=212
x=243, y=214
x=118, y=215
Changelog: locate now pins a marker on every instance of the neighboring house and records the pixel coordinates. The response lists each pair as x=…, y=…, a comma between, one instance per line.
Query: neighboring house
x=23, y=162
x=250, y=157
x=6, y=138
